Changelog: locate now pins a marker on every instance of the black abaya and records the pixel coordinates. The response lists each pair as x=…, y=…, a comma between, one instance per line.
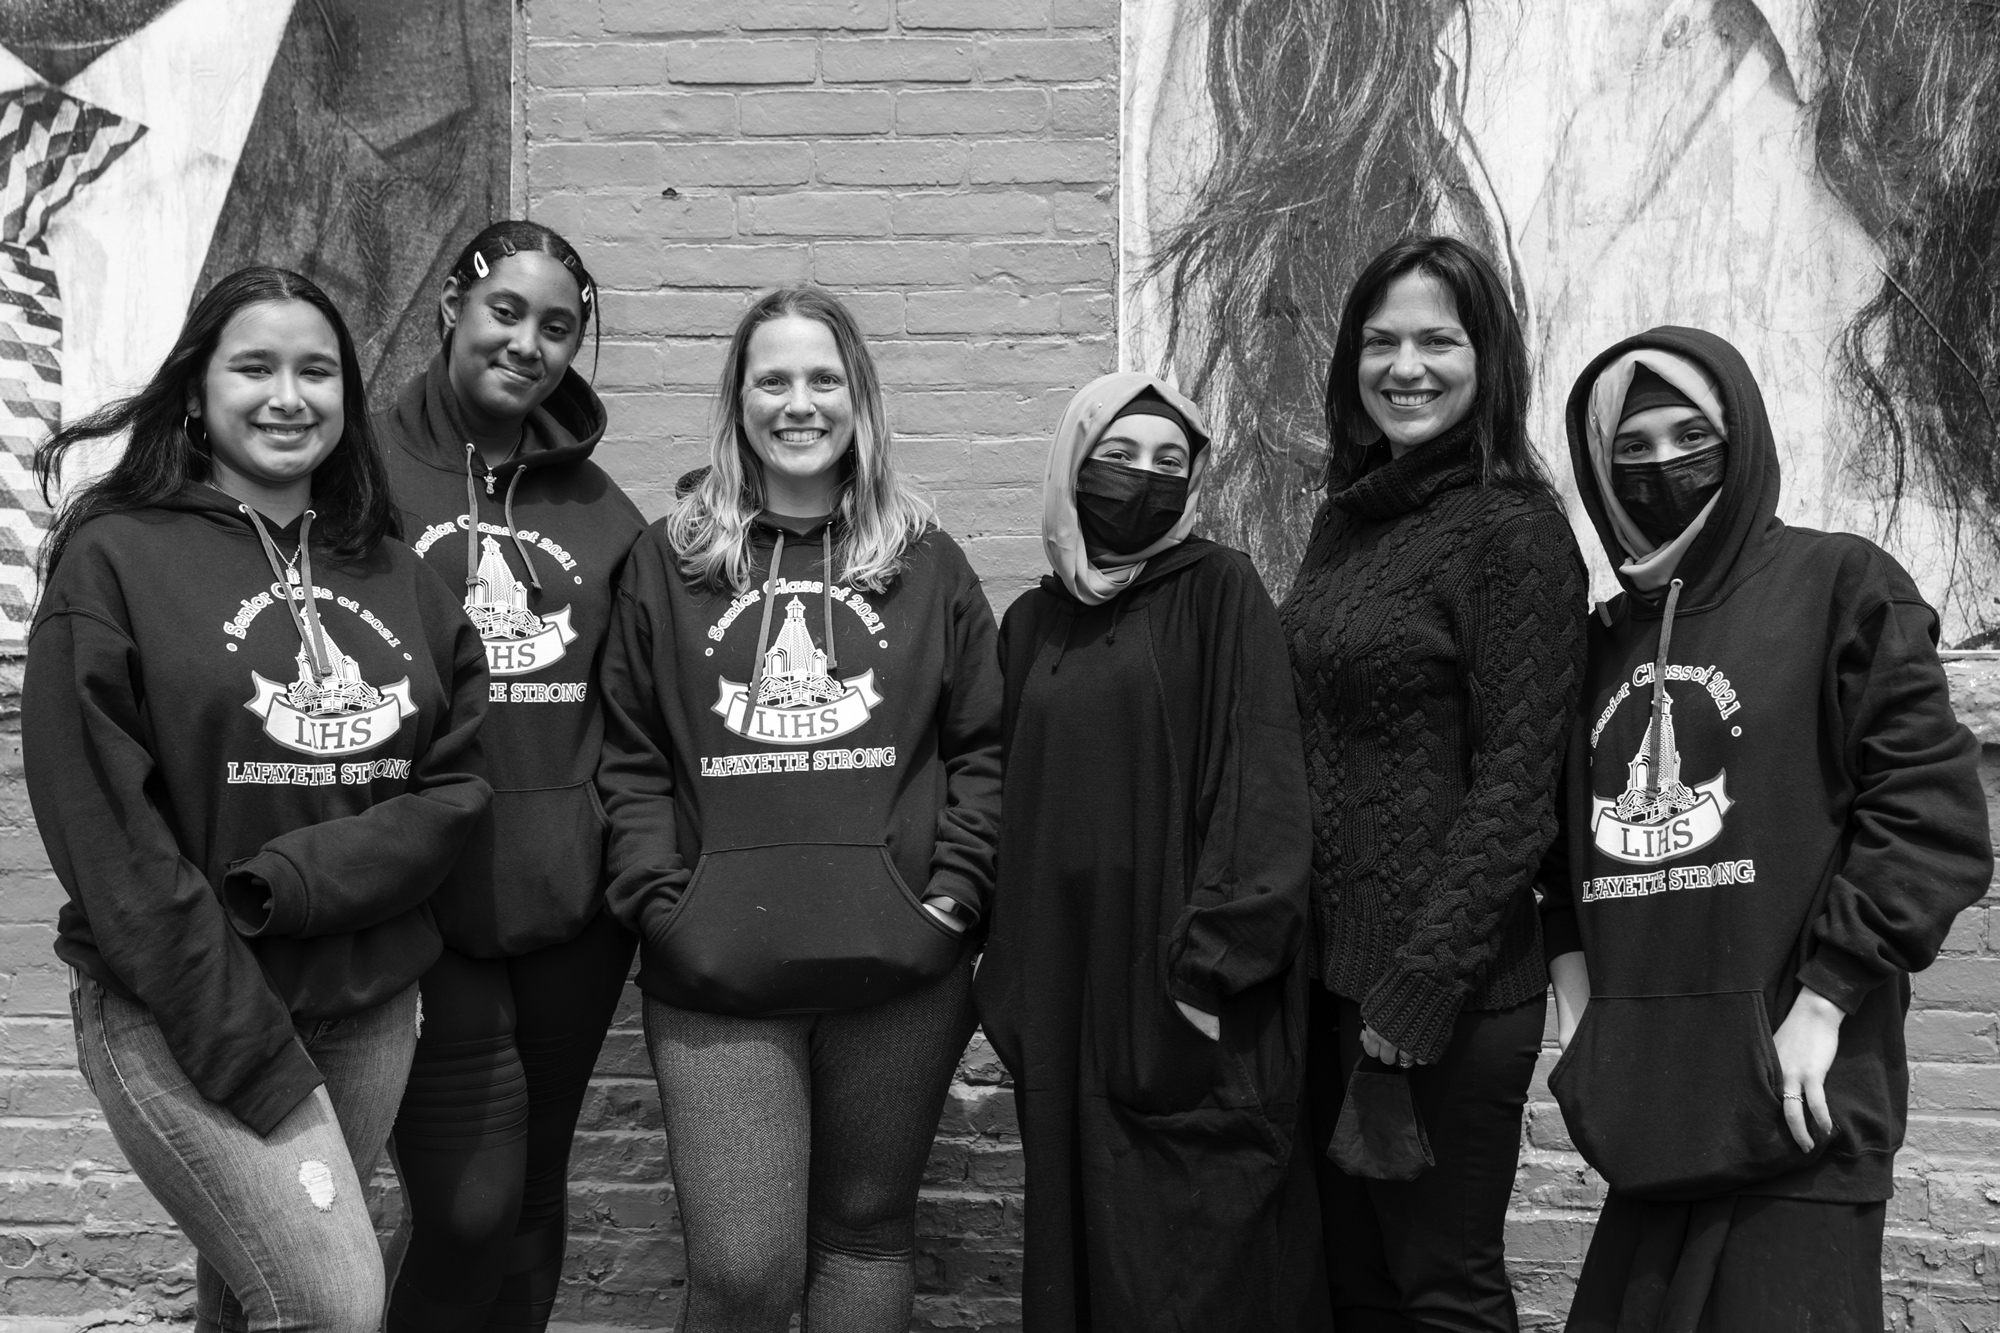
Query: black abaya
x=1154, y=848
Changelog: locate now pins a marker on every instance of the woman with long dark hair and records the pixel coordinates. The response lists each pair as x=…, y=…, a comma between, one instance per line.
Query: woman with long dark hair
x=250, y=725
x=489, y=453
x=1436, y=633
x=802, y=773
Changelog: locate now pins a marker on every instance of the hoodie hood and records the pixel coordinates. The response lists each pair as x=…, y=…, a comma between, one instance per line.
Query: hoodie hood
x=1083, y=424
x=1737, y=531
x=564, y=429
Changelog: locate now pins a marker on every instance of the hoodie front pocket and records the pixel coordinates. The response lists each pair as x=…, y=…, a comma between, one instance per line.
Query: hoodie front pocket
x=1676, y=1096
x=797, y=928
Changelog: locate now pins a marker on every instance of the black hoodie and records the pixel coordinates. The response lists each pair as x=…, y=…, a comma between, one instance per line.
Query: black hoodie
x=1814, y=817
x=537, y=579
x=188, y=757
x=774, y=859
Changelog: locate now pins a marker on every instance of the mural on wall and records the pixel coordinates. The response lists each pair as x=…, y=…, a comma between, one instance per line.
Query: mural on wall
x=1816, y=180
x=147, y=147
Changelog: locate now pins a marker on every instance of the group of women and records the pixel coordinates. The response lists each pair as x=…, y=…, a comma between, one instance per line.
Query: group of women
x=369, y=749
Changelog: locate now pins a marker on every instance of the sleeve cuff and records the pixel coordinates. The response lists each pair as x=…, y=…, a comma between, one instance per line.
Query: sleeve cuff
x=1560, y=934
x=1193, y=996
x=266, y=875
x=950, y=886
x=1840, y=977
x=1413, y=1013
x=276, y=1089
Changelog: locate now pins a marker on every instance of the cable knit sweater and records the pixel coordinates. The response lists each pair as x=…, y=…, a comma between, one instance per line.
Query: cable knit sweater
x=1437, y=640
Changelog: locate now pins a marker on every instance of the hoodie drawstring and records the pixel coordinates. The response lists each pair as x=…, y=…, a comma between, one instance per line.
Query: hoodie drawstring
x=826, y=558
x=771, y=595
x=310, y=634
x=1069, y=630
x=764, y=628
x=520, y=547
x=472, y=525
x=1660, y=691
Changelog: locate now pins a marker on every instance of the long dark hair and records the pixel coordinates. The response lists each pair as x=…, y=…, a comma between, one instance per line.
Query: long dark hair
x=1907, y=131
x=511, y=236
x=350, y=487
x=1499, y=412
x=1336, y=128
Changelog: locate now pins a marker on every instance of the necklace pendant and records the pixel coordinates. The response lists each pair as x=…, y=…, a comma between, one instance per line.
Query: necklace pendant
x=489, y=481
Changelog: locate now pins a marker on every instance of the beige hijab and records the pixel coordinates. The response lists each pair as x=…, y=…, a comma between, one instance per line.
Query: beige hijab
x=1648, y=566
x=1083, y=424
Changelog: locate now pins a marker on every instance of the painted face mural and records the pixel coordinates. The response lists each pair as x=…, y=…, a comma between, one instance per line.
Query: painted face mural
x=1625, y=163
x=147, y=147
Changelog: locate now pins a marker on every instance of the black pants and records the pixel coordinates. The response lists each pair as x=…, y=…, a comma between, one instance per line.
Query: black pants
x=1774, y=1265
x=483, y=1136
x=1427, y=1253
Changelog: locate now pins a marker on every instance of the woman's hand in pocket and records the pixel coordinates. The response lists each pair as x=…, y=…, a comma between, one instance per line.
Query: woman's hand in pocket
x=947, y=910
x=1208, y=1025
x=1807, y=1041
x=1571, y=978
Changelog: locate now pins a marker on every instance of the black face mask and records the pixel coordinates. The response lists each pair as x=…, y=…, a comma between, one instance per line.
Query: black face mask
x=1663, y=498
x=1123, y=510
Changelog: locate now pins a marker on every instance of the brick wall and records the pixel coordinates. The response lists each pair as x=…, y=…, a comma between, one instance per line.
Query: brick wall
x=946, y=165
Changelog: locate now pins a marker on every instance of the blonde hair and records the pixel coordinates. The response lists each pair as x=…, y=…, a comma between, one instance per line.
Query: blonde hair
x=881, y=516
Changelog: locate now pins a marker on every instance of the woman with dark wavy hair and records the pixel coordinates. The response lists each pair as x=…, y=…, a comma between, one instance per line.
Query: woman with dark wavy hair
x=1436, y=635
x=250, y=728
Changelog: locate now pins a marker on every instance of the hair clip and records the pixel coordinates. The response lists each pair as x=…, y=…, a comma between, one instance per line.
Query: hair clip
x=479, y=264
x=508, y=246
x=586, y=293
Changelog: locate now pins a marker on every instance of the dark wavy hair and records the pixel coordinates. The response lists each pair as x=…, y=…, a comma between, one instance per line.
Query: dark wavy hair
x=1907, y=131
x=350, y=487
x=1500, y=404
x=511, y=236
x=1336, y=125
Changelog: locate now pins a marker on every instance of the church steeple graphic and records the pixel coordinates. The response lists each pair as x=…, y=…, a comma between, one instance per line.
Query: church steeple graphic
x=1653, y=786
x=497, y=603
x=795, y=670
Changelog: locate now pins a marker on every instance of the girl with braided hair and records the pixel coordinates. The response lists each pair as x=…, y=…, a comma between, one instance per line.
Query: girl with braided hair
x=489, y=454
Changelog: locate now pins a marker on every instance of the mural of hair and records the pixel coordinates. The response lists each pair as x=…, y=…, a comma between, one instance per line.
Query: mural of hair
x=1327, y=149
x=1336, y=130
x=1907, y=131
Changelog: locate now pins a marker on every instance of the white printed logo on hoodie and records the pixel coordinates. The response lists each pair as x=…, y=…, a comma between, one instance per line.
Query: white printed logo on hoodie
x=517, y=640
x=1660, y=815
x=798, y=703
x=338, y=713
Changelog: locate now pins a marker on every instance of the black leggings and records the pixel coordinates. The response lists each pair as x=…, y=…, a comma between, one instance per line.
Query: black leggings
x=483, y=1136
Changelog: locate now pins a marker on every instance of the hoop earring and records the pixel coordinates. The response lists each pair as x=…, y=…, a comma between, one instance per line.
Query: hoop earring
x=187, y=429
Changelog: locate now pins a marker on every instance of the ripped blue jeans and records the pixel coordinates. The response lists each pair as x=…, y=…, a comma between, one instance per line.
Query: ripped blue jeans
x=282, y=1231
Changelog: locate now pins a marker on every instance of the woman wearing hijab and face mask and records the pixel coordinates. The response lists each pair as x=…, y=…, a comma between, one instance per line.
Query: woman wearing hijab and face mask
x=1771, y=818
x=1436, y=635
x=1139, y=981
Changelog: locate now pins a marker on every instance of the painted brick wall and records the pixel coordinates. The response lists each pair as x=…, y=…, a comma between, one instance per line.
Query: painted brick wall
x=945, y=165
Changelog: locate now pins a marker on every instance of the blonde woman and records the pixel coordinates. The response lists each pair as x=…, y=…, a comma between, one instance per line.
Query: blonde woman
x=802, y=774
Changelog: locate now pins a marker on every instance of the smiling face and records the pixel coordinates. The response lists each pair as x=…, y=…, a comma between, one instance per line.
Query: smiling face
x=272, y=401
x=1660, y=434
x=798, y=412
x=1418, y=372
x=513, y=334
x=1145, y=443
